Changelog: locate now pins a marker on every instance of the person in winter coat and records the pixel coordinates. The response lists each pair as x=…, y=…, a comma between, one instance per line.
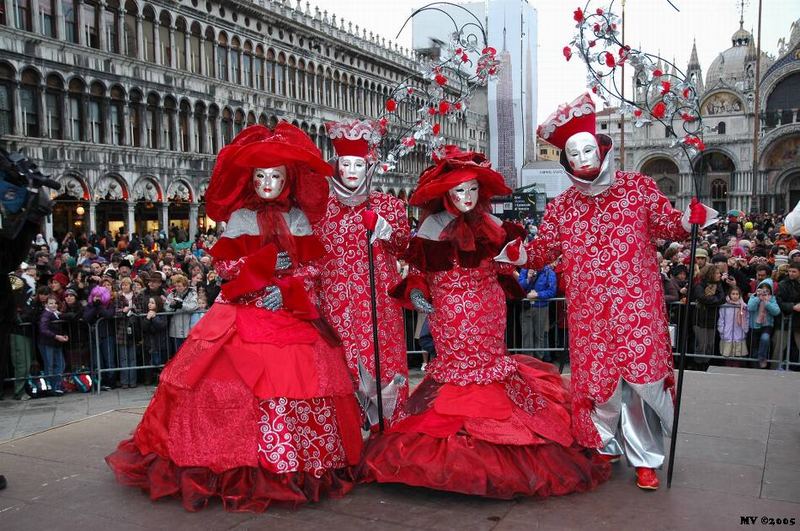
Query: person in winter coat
x=733, y=323
x=124, y=308
x=539, y=286
x=154, y=332
x=100, y=313
x=710, y=295
x=182, y=301
x=51, y=339
x=763, y=308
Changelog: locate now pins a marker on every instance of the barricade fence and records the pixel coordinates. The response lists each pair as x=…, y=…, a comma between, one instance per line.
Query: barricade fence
x=131, y=349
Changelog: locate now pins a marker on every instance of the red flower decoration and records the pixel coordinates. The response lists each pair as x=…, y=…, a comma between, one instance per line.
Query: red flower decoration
x=440, y=80
x=659, y=109
x=458, y=51
x=657, y=73
x=464, y=58
x=436, y=129
x=599, y=11
x=592, y=44
x=578, y=15
x=686, y=93
x=688, y=117
x=567, y=51
x=443, y=107
x=458, y=105
x=410, y=90
x=665, y=87
x=489, y=51
x=391, y=105
x=492, y=71
x=594, y=89
x=596, y=27
x=431, y=111
x=637, y=113
x=384, y=122
x=610, y=62
x=409, y=141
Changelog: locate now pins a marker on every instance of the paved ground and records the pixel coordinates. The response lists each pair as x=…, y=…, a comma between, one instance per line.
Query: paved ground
x=739, y=454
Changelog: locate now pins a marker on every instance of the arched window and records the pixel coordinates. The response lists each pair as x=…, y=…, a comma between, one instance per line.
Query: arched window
x=719, y=190
x=53, y=102
x=134, y=112
x=117, y=115
x=6, y=99
x=222, y=56
x=149, y=28
x=292, y=77
x=194, y=48
x=28, y=99
x=183, y=126
x=131, y=43
x=76, y=109
x=208, y=46
x=70, y=10
x=95, y=114
x=271, y=71
x=280, y=75
x=227, y=126
x=90, y=24
x=180, y=44
x=22, y=15
x=721, y=128
x=251, y=118
x=111, y=25
x=164, y=23
x=236, y=75
x=171, y=138
x=47, y=18
x=258, y=68
x=238, y=122
x=247, y=64
x=211, y=129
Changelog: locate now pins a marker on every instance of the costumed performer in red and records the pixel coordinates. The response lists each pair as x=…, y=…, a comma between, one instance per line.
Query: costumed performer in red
x=603, y=228
x=345, y=296
x=256, y=407
x=482, y=422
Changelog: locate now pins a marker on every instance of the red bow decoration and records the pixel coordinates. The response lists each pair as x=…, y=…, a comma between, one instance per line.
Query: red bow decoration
x=513, y=250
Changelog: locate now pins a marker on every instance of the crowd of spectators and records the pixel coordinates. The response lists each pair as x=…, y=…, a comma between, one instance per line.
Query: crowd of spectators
x=138, y=297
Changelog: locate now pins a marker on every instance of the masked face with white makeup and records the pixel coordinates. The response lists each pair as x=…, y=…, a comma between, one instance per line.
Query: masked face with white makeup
x=464, y=196
x=583, y=155
x=352, y=171
x=269, y=182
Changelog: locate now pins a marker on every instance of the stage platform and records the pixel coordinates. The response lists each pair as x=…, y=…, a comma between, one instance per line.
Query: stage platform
x=738, y=455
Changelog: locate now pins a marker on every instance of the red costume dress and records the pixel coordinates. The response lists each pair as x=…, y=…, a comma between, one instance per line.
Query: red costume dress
x=481, y=422
x=345, y=285
x=256, y=406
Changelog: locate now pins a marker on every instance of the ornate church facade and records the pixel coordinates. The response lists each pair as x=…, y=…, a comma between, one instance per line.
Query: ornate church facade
x=127, y=102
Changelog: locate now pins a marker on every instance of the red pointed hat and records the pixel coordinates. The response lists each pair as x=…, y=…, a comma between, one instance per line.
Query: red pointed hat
x=258, y=146
x=355, y=138
x=454, y=168
x=567, y=120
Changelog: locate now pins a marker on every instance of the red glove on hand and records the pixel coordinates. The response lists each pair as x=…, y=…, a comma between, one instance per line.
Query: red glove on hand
x=369, y=218
x=513, y=250
x=697, y=212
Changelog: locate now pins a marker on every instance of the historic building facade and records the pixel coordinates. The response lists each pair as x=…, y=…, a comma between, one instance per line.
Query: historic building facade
x=127, y=102
x=727, y=105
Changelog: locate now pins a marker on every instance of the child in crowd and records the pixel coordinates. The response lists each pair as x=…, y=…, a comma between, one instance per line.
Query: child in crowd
x=154, y=328
x=51, y=340
x=202, y=308
x=763, y=308
x=733, y=324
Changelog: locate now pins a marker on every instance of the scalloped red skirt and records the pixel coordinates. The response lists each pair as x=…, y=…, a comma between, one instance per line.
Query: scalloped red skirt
x=477, y=440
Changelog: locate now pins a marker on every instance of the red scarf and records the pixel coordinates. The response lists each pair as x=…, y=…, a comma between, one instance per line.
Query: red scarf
x=271, y=224
x=471, y=228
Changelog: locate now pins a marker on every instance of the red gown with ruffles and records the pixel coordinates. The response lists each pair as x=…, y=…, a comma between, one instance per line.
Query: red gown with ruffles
x=256, y=407
x=481, y=422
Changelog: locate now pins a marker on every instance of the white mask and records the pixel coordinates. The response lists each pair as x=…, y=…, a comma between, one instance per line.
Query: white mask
x=269, y=182
x=465, y=195
x=583, y=154
x=352, y=171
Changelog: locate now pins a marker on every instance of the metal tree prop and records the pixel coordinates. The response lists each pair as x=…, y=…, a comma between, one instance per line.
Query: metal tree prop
x=669, y=98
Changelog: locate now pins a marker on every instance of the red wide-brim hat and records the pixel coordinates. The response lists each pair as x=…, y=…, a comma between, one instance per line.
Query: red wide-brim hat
x=454, y=168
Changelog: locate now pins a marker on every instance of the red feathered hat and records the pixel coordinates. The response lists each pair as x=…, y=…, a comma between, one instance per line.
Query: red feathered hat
x=454, y=168
x=356, y=138
x=567, y=120
x=258, y=146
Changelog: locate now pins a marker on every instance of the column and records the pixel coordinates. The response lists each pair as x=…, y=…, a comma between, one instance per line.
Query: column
x=44, y=123
x=227, y=51
x=61, y=26
x=105, y=108
x=215, y=135
x=79, y=25
x=48, y=227
x=193, y=211
x=125, y=128
x=11, y=17
x=190, y=143
x=164, y=218
x=100, y=18
x=140, y=108
x=156, y=42
x=202, y=71
x=93, y=216
x=66, y=119
x=35, y=27
x=173, y=51
x=140, y=36
x=131, y=220
x=121, y=35
x=187, y=51
x=18, y=128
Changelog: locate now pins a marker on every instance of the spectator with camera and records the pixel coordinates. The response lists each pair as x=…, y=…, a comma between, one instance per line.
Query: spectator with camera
x=181, y=301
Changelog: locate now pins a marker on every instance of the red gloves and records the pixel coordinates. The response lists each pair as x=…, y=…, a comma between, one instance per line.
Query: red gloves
x=369, y=218
x=513, y=250
x=697, y=212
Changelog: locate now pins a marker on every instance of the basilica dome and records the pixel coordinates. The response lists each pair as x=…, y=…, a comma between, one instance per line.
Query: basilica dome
x=731, y=65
